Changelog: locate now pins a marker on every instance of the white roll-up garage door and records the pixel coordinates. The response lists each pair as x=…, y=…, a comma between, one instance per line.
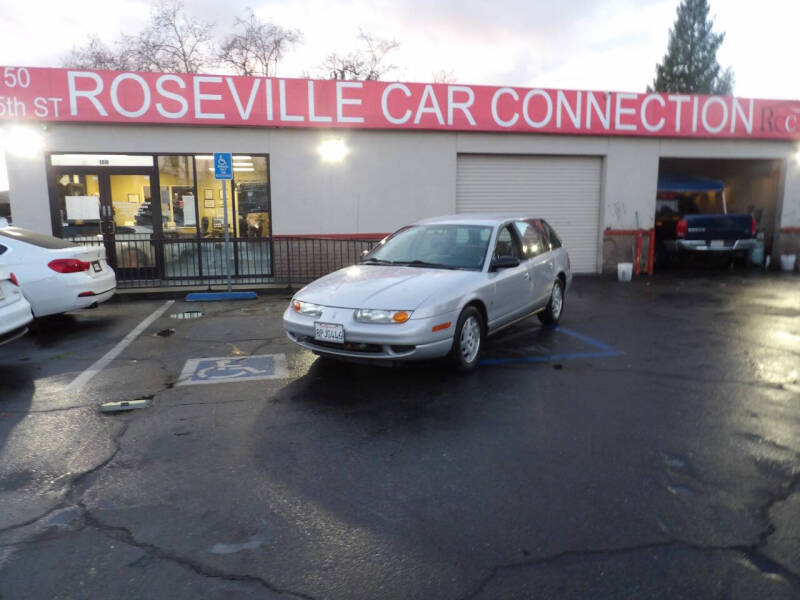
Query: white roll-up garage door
x=563, y=190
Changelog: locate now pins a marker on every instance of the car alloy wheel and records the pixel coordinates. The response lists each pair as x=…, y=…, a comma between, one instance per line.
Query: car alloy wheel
x=467, y=341
x=556, y=301
x=552, y=313
x=470, y=342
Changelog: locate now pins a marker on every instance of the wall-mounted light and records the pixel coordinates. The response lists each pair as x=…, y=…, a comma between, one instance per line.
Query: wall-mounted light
x=333, y=150
x=23, y=141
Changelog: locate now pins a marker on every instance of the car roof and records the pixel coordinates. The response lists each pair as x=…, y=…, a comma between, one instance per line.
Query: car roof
x=490, y=219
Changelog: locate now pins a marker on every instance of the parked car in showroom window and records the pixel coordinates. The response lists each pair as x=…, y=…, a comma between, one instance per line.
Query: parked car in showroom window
x=434, y=289
x=15, y=311
x=56, y=275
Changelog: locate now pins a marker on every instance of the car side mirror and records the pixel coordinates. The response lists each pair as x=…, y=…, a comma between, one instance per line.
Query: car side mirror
x=504, y=262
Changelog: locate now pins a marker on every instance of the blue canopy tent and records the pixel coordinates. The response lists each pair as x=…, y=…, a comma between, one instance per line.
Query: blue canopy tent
x=692, y=185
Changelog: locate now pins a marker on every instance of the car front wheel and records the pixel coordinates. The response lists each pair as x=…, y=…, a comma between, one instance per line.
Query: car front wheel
x=555, y=307
x=468, y=339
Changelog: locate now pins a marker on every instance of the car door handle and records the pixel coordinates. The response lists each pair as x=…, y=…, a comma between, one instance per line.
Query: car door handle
x=527, y=274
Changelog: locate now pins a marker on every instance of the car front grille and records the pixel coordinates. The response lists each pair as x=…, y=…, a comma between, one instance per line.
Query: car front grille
x=347, y=346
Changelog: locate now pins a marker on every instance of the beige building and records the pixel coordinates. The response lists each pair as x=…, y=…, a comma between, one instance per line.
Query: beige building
x=147, y=190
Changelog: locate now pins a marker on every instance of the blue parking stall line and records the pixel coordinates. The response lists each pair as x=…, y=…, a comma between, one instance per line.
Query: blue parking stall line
x=603, y=351
x=585, y=338
x=218, y=296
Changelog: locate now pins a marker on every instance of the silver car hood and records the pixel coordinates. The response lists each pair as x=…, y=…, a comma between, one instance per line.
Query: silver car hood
x=383, y=287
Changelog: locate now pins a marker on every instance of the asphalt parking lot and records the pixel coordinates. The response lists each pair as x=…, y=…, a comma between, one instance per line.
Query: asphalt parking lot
x=649, y=447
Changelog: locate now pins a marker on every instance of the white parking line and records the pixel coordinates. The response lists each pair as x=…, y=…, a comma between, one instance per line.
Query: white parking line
x=102, y=362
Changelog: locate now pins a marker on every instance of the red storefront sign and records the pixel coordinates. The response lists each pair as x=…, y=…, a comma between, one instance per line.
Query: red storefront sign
x=69, y=95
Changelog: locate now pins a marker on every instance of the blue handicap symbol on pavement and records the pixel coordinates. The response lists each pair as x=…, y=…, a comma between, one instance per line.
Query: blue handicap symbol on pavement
x=233, y=368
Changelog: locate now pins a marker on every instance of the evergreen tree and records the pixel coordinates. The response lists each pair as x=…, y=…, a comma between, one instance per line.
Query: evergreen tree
x=690, y=64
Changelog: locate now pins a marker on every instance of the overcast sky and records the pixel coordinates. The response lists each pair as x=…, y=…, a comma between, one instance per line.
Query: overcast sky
x=583, y=44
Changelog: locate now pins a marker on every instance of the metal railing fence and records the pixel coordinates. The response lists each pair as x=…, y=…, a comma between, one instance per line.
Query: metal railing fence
x=148, y=261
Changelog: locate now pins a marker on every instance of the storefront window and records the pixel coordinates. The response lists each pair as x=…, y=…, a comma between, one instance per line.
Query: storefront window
x=252, y=196
x=178, y=206
x=178, y=216
x=78, y=204
x=174, y=230
x=212, y=214
x=133, y=220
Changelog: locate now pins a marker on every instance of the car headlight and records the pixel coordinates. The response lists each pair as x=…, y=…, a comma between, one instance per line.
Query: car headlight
x=306, y=308
x=369, y=315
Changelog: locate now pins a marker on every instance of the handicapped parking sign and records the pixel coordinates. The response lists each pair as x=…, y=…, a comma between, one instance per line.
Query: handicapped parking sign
x=225, y=369
x=223, y=165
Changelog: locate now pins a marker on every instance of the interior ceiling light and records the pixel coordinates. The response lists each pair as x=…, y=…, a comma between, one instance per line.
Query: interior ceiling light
x=333, y=150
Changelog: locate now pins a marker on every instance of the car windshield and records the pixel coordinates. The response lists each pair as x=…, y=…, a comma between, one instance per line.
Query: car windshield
x=436, y=246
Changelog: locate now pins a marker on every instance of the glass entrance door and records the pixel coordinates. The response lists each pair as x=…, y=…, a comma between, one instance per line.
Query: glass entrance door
x=129, y=223
x=114, y=208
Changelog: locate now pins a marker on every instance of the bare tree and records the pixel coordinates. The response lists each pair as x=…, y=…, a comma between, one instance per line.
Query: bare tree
x=171, y=41
x=256, y=47
x=96, y=55
x=367, y=63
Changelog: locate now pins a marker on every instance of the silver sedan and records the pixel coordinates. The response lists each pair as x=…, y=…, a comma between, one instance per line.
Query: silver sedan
x=434, y=289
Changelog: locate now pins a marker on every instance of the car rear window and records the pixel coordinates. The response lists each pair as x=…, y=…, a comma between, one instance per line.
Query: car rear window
x=37, y=239
x=555, y=241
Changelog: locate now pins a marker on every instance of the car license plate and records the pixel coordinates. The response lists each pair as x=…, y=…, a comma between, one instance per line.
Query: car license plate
x=97, y=266
x=717, y=243
x=329, y=332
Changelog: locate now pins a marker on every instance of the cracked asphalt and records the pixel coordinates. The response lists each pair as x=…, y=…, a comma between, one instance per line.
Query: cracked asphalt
x=665, y=467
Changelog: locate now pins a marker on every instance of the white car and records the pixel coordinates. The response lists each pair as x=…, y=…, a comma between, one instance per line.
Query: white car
x=15, y=312
x=435, y=289
x=56, y=275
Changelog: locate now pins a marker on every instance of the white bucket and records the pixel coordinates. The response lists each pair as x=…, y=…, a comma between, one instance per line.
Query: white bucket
x=787, y=262
x=624, y=271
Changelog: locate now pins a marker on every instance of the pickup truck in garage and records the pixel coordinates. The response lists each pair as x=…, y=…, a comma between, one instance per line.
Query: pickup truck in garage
x=691, y=221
